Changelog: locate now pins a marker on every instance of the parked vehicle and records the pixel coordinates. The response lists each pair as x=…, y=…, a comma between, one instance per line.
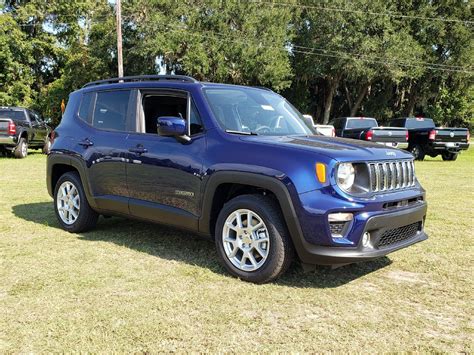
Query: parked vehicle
x=235, y=163
x=367, y=128
x=323, y=129
x=21, y=129
x=426, y=139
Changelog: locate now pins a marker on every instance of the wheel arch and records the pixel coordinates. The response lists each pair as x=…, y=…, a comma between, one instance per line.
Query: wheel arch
x=57, y=165
x=219, y=182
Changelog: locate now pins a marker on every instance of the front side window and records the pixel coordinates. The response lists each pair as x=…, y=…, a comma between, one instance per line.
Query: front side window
x=255, y=111
x=110, y=111
x=159, y=105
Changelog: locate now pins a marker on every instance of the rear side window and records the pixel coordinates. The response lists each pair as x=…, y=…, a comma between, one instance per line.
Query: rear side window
x=84, y=109
x=110, y=111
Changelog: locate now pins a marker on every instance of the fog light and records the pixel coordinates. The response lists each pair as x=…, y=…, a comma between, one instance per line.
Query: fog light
x=366, y=240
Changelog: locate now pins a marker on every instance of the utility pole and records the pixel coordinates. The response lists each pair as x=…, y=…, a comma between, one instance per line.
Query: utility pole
x=118, y=10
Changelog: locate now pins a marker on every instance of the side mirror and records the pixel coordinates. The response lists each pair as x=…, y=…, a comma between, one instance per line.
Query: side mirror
x=169, y=126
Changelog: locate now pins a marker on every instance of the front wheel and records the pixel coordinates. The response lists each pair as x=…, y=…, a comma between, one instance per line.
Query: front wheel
x=417, y=152
x=449, y=156
x=70, y=204
x=252, y=240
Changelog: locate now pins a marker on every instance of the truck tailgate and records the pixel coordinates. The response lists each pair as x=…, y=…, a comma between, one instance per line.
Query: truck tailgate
x=451, y=135
x=4, y=122
x=389, y=134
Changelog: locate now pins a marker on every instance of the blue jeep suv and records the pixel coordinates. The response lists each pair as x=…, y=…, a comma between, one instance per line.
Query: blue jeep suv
x=235, y=163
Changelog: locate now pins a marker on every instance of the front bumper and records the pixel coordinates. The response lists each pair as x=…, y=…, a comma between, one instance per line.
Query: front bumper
x=378, y=226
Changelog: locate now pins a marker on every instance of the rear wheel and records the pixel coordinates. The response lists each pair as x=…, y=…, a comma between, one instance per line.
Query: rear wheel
x=252, y=239
x=21, y=150
x=449, y=156
x=417, y=152
x=70, y=204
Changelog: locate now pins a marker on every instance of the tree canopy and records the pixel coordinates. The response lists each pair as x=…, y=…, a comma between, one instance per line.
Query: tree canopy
x=369, y=58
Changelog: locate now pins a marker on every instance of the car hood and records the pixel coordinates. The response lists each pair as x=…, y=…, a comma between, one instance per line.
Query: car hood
x=341, y=149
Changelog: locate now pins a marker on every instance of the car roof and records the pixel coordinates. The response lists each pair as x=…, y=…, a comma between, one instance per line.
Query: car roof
x=157, y=81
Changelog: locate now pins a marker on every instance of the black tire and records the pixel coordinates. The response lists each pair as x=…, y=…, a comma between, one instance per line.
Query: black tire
x=418, y=152
x=281, y=251
x=47, y=146
x=21, y=149
x=87, y=217
x=447, y=156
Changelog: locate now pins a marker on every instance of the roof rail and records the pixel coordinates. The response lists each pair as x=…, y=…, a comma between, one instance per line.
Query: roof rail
x=263, y=88
x=184, y=78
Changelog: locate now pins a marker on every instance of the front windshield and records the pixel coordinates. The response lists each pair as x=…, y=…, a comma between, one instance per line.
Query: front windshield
x=255, y=111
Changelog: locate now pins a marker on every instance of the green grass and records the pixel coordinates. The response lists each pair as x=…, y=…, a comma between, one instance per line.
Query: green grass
x=131, y=286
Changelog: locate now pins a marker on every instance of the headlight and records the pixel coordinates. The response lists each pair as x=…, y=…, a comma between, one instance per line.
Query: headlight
x=345, y=176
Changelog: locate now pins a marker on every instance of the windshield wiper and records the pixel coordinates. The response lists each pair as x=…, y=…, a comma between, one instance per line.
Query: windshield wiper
x=242, y=132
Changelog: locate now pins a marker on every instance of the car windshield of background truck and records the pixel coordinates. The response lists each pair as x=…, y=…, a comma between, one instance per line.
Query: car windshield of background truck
x=255, y=111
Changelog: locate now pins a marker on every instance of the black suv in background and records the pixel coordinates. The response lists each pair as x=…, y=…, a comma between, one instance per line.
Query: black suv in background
x=426, y=139
x=21, y=128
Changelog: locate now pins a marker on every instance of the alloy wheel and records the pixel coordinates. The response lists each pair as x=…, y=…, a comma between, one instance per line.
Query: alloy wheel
x=68, y=202
x=246, y=240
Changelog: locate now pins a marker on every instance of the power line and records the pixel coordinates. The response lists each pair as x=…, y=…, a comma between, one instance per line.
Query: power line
x=372, y=13
x=396, y=59
x=313, y=51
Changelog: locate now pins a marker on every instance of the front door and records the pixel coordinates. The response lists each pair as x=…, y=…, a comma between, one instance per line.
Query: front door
x=164, y=174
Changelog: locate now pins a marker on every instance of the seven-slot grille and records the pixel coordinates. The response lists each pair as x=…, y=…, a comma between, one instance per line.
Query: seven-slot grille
x=391, y=175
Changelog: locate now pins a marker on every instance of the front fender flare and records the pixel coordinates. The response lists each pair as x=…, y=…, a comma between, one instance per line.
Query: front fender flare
x=280, y=186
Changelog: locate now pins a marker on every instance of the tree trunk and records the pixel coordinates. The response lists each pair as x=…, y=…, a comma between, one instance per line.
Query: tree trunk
x=412, y=96
x=331, y=90
x=362, y=92
x=348, y=97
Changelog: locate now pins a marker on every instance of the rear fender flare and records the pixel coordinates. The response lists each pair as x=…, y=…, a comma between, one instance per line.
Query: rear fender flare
x=76, y=163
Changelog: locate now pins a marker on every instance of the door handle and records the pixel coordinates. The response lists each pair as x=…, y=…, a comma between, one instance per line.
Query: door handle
x=138, y=150
x=85, y=143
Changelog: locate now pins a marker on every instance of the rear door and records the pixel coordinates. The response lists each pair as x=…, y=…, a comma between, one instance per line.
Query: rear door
x=164, y=174
x=102, y=144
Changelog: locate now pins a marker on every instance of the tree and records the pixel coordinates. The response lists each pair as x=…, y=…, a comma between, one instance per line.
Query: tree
x=224, y=41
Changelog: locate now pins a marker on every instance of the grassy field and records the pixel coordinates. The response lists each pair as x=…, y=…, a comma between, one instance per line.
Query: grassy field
x=130, y=286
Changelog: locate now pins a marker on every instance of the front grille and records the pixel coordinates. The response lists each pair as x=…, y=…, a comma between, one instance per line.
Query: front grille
x=391, y=175
x=393, y=236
